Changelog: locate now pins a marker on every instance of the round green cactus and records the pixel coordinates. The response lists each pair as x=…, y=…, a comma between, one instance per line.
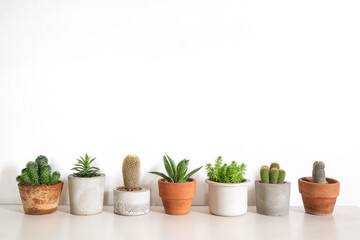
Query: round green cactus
x=264, y=174
x=282, y=174
x=274, y=174
x=130, y=170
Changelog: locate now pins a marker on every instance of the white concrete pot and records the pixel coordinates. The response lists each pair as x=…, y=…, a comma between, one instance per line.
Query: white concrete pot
x=228, y=199
x=272, y=199
x=86, y=194
x=131, y=203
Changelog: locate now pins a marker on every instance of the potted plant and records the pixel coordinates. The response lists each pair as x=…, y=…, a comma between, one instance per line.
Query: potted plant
x=318, y=192
x=272, y=192
x=176, y=189
x=130, y=199
x=39, y=189
x=86, y=188
x=227, y=188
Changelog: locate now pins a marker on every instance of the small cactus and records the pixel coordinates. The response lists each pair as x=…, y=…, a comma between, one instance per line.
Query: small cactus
x=318, y=173
x=38, y=172
x=282, y=174
x=130, y=170
x=275, y=165
x=264, y=174
x=274, y=175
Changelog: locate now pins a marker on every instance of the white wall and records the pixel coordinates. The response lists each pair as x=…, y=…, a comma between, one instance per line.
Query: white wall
x=252, y=80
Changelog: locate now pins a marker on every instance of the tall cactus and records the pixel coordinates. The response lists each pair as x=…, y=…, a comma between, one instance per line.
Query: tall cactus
x=38, y=172
x=318, y=173
x=264, y=174
x=282, y=174
x=274, y=175
x=130, y=170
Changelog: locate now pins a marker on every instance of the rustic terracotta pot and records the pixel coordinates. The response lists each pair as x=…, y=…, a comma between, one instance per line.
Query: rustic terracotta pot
x=38, y=200
x=177, y=197
x=319, y=199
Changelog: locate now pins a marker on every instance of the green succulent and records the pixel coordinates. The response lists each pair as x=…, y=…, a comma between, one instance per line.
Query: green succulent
x=176, y=173
x=224, y=173
x=84, y=169
x=38, y=173
x=273, y=174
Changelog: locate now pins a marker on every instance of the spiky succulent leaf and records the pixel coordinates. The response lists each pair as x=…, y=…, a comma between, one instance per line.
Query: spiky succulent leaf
x=41, y=160
x=33, y=171
x=45, y=174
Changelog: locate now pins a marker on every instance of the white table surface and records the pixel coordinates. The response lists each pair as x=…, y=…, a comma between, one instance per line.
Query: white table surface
x=199, y=224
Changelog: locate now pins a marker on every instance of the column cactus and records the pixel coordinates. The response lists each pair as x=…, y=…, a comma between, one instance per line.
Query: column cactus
x=318, y=173
x=130, y=170
x=273, y=174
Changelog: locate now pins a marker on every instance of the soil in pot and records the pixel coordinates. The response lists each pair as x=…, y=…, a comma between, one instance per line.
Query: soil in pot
x=38, y=200
x=177, y=197
x=319, y=199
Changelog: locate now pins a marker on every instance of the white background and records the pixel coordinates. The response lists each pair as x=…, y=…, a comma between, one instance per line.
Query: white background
x=254, y=81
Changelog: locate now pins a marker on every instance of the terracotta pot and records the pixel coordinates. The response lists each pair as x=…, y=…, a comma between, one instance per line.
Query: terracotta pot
x=38, y=200
x=177, y=197
x=319, y=199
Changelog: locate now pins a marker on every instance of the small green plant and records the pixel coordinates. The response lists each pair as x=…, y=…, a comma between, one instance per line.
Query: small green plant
x=130, y=169
x=223, y=173
x=318, y=173
x=176, y=173
x=272, y=175
x=84, y=169
x=38, y=173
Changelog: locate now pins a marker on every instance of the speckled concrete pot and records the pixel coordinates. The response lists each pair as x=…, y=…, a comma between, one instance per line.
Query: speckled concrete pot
x=131, y=203
x=272, y=199
x=38, y=200
x=228, y=199
x=86, y=194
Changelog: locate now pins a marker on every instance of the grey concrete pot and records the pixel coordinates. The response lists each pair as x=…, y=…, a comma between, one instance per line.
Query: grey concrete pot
x=131, y=203
x=86, y=194
x=272, y=199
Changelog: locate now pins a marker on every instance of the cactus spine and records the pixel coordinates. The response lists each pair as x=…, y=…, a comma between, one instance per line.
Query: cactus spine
x=273, y=174
x=130, y=170
x=318, y=173
x=264, y=174
x=38, y=172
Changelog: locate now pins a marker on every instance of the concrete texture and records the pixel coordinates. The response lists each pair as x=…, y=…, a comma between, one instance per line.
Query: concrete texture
x=228, y=199
x=131, y=203
x=86, y=194
x=272, y=199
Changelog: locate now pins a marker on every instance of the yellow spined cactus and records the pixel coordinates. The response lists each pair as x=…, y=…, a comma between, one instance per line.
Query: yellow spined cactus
x=130, y=169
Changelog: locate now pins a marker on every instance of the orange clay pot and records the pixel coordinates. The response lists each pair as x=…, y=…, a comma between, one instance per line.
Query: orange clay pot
x=319, y=199
x=177, y=197
x=38, y=200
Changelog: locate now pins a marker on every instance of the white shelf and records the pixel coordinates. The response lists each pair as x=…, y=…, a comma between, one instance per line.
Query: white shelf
x=199, y=224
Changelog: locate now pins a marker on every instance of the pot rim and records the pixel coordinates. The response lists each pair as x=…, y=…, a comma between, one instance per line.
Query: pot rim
x=73, y=176
x=245, y=183
x=272, y=184
x=332, y=181
x=162, y=181
x=40, y=186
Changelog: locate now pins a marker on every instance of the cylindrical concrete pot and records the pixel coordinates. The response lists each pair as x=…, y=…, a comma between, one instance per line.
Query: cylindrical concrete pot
x=228, y=199
x=86, y=194
x=131, y=203
x=319, y=199
x=177, y=197
x=272, y=199
x=38, y=200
